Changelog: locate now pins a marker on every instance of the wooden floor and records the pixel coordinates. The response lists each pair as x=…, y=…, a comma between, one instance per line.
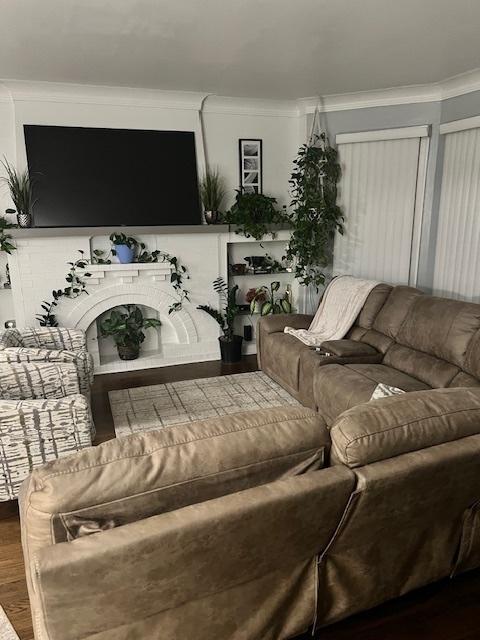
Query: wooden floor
x=448, y=610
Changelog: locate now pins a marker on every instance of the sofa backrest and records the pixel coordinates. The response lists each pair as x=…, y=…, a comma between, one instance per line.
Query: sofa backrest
x=365, y=319
x=434, y=338
x=128, y=479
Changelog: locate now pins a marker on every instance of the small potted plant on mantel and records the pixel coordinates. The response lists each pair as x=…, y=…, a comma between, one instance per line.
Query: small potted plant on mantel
x=127, y=330
x=20, y=187
x=124, y=247
x=212, y=193
x=230, y=343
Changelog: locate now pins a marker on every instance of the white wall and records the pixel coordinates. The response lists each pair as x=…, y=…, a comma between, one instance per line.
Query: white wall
x=225, y=121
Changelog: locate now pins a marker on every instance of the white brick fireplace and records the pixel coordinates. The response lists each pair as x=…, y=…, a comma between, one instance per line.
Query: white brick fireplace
x=40, y=264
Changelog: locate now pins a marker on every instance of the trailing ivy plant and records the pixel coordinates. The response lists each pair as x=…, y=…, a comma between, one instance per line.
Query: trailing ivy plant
x=5, y=238
x=76, y=280
x=252, y=213
x=315, y=215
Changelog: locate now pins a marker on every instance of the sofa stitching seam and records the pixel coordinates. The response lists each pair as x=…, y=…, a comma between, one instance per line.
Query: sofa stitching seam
x=405, y=424
x=176, y=444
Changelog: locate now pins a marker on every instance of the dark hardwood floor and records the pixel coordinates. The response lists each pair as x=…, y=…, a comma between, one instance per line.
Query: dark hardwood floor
x=447, y=610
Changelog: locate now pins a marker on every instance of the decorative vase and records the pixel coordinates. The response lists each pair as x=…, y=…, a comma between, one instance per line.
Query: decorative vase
x=231, y=350
x=128, y=351
x=24, y=220
x=125, y=254
x=211, y=217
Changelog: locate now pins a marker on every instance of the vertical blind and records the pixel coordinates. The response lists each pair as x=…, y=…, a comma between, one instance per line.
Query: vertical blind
x=457, y=264
x=378, y=194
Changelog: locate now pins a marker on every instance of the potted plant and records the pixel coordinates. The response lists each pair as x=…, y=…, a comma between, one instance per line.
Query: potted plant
x=268, y=303
x=21, y=192
x=126, y=327
x=5, y=238
x=230, y=343
x=212, y=194
x=315, y=215
x=124, y=247
x=255, y=298
x=252, y=213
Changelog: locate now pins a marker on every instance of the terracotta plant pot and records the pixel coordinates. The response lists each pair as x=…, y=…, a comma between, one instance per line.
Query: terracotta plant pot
x=231, y=350
x=128, y=352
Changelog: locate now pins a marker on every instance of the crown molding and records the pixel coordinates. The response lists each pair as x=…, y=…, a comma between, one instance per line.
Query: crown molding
x=412, y=94
x=58, y=92
x=460, y=84
x=250, y=106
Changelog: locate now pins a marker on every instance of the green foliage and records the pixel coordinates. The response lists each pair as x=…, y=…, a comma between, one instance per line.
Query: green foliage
x=212, y=190
x=252, y=213
x=122, y=239
x=20, y=187
x=315, y=215
x=270, y=303
x=229, y=308
x=127, y=327
x=5, y=238
x=143, y=255
x=76, y=280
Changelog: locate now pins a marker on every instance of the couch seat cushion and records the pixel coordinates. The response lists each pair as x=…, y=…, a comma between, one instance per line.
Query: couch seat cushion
x=339, y=387
x=281, y=358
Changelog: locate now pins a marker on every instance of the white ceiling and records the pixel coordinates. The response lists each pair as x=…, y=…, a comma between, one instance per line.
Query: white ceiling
x=256, y=48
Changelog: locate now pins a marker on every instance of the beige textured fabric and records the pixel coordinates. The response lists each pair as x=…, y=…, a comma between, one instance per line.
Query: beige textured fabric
x=389, y=427
x=403, y=528
x=148, y=486
x=340, y=305
x=265, y=535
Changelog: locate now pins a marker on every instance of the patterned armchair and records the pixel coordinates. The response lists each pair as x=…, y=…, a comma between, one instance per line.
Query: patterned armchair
x=49, y=344
x=42, y=417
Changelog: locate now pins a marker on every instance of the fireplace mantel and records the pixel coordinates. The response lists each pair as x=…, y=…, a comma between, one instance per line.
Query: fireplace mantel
x=59, y=232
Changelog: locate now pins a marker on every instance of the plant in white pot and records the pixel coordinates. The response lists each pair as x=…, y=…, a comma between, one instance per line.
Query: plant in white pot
x=212, y=193
x=20, y=187
x=230, y=343
x=126, y=327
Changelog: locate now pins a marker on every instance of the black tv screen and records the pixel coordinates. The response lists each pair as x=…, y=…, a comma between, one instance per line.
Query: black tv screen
x=112, y=177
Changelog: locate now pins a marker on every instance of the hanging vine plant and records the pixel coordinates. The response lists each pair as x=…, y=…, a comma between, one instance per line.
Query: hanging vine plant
x=315, y=215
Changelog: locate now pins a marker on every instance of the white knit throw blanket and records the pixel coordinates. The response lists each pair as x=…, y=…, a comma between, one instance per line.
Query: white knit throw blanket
x=341, y=303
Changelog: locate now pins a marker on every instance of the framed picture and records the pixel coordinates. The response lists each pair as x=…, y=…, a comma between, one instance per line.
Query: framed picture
x=250, y=155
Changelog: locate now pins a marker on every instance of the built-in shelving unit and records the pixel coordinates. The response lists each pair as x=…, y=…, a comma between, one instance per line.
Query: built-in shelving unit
x=238, y=248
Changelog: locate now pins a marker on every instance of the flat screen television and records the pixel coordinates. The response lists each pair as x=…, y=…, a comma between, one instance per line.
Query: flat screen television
x=112, y=177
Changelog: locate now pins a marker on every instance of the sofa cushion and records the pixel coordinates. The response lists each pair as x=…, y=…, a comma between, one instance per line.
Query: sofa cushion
x=130, y=478
x=340, y=387
x=390, y=427
x=440, y=327
x=374, y=302
x=429, y=369
x=281, y=358
x=396, y=308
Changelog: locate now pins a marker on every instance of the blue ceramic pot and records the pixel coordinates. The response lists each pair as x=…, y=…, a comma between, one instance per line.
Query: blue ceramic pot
x=125, y=254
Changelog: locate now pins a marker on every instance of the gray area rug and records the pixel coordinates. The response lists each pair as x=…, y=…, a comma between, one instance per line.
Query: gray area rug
x=164, y=405
x=7, y=632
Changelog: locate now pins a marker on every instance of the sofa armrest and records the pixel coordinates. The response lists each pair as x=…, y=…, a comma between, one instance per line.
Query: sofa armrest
x=54, y=338
x=38, y=380
x=81, y=359
x=347, y=348
x=259, y=544
x=33, y=432
x=277, y=323
x=389, y=427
